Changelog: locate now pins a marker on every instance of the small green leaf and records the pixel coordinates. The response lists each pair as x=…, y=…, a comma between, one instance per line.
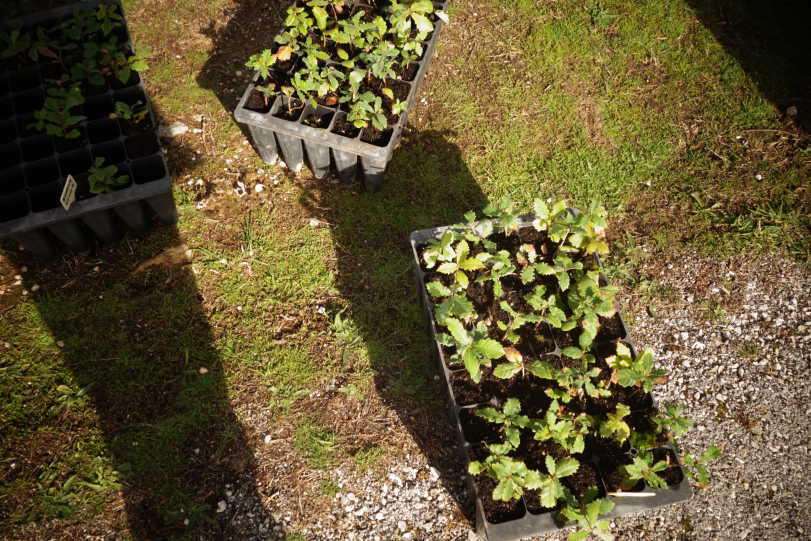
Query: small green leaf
x=471, y=362
x=567, y=467
x=437, y=289
x=712, y=453
x=457, y=330
x=572, y=352
x=542, y=369
x=490, y=348
x=506, y=370
x=321, y=17
x=462, y=279
x=506, y=490
x=422, y=22
x=512, y=406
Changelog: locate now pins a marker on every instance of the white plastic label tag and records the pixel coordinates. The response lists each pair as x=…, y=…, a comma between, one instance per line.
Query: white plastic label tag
x=68, y=192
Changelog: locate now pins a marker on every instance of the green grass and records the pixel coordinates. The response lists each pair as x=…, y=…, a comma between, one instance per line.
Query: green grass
x=366, y=459
x=636, y=104
x=317, y=443
x=329, y=488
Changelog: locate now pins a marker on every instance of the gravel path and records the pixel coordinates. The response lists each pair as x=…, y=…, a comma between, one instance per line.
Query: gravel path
x=736, y=339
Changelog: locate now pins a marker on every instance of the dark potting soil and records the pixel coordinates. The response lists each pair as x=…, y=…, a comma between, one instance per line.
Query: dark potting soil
x=141, y=145
x=610, y=328
x=565, y=339
x=407, y=72
x=259, y=102
x=129, y=129
x=497, y=511
x=530, y=388
x=633, y=397
x=66, y=145
x=476, y=429
x=291, y=110
x=604, y=349
x=377, y=137
x=399, y=88
x=534, y=452
x=583, y=479
x=318, y=121
x=285, y=65
x=345, y=128
x=613, y=478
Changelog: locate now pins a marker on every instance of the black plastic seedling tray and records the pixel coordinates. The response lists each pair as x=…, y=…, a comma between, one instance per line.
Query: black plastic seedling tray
x=530, y=524
x=292, y=140
x=34, y=166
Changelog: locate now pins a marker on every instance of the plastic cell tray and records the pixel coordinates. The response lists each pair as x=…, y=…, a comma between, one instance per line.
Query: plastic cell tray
x=296, y=142
x=34, y=166
x=529, y=524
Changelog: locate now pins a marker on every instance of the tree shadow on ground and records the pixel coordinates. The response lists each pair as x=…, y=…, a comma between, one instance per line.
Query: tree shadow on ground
x=427, y=185
x=771, y=42
x=251, y=28
x=135, y=337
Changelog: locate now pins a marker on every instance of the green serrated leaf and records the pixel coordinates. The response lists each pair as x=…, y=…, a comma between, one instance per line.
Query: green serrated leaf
x=457, y=330
x=437, y=289
x=492, y=349
x=572, y=352
x=422, y=22
x=567, y=467
x=542, y=369
x=506, y=370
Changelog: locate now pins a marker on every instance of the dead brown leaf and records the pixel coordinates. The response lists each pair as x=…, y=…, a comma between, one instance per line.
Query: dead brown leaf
x=176, y=255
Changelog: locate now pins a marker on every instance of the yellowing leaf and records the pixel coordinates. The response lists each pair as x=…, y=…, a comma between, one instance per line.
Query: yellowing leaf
x=284, y=53
x=513, y=355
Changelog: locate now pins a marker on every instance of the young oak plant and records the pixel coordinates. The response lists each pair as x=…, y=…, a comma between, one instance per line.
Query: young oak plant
x=586, y=513
x=640, y=371
x=474, y=348
x=105, y=179
x=563, y=427
x=510, y=419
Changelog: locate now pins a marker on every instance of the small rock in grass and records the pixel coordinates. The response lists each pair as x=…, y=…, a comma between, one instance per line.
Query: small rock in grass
x=268, y=439
x=173, y=130
x=221, y=506
x=259, y=188
x=203, y=370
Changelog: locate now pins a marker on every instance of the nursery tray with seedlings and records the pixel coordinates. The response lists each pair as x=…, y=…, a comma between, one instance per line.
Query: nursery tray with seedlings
x=339, y=83
x=79, y=153
x=551, y=402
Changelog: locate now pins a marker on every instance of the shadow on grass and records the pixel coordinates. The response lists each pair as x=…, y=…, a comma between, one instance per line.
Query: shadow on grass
x=427, y=184
x=251, y=28
x=771, y=42
x=139, y=344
